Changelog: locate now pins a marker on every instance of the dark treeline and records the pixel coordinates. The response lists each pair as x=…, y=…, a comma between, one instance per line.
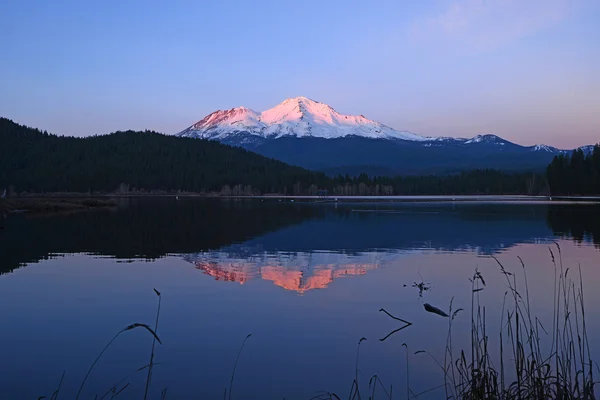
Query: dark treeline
x=467, y=182
x=35, y=161
x=31, y=160
x=576, y=174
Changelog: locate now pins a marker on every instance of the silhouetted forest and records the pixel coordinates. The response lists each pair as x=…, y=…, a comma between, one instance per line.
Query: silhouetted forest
x=576, y=174
x=35, y=161
x=32, y=160
x=466, y=182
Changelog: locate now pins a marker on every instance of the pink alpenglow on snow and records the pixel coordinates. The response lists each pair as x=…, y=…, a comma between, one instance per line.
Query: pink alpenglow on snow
x=298, y=116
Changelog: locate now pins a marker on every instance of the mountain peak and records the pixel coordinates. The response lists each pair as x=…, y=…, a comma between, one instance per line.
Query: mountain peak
x=295, y=116
x=487, y=138
x=299, y=99
x=545, y=148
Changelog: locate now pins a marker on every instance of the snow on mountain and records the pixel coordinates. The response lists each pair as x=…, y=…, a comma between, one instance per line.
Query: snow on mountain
x=543, y=147
x=223, y=122
x=588, y=149
x=302, y=117
x=490, y=139
x=299, y=117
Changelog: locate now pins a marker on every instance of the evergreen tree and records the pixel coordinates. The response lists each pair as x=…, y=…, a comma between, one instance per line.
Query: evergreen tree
x=577, y=174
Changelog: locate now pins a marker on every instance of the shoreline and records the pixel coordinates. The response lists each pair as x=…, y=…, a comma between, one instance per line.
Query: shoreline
x=53, y=204
x=424, y=199
x=60, y=202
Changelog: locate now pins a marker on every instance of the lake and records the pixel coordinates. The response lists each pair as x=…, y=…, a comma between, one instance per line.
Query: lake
x=306, y=280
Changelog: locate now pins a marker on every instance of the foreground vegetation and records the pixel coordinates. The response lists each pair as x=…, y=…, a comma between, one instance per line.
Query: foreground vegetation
x=528, y=366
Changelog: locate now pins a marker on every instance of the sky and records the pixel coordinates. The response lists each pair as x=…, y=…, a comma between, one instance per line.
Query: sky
x=527, y=70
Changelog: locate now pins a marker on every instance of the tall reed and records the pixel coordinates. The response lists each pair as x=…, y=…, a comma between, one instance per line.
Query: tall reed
x=525, y=367
x=564, y=371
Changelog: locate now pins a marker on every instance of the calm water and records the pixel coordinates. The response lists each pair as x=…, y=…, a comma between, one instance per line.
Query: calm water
x=306, y=280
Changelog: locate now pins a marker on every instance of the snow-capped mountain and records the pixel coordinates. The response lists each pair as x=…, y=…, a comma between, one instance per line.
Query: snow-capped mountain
x=302, y=117
x=304, y=132
x=299, y=117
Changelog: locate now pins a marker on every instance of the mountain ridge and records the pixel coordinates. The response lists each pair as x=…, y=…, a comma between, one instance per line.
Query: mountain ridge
x=303, y=117
x=304, y=132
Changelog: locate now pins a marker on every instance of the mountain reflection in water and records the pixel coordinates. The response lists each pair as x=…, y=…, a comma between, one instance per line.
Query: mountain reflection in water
x=239, y=240
x=299, y=272
x=230, y=267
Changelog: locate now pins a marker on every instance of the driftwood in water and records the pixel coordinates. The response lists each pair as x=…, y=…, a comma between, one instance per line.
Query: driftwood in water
x=435, y=310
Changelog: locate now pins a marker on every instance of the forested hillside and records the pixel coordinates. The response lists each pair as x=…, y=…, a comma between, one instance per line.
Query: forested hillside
x=35, y=161
x=576, y=174
x=32, y=160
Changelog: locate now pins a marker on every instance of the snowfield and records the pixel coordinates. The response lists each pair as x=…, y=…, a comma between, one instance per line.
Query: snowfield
x=302, y=117
x=298, y=116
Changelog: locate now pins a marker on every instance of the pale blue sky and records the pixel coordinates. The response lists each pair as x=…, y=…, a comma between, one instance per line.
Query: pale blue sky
x=527, y=70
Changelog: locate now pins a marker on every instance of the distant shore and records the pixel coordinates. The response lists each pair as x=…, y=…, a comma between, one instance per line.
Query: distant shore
x=439, y=199
x=52, y=204
x=64, y=202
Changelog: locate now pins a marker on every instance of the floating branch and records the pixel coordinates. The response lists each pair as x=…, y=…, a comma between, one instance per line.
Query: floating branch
x=407, y=324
